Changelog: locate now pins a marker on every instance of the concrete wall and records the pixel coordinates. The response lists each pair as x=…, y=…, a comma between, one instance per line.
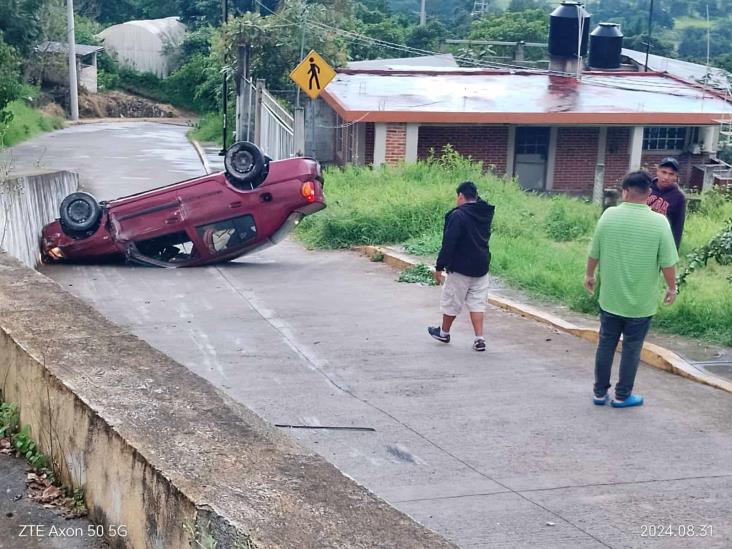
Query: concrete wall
x=27, y=203
x=161, y=451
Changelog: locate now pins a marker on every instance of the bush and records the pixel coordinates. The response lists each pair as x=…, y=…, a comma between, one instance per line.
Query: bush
x=566, y=222
x=10, y=85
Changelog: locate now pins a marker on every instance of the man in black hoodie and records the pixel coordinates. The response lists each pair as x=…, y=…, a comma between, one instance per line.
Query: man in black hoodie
x=465, y=256
x=667, y=198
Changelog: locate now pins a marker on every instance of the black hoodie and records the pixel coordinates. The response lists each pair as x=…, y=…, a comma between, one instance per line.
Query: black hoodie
x=670, y=202
x=465, y=239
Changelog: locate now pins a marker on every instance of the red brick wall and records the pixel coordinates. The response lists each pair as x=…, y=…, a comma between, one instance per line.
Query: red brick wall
x=574, y=168
x=488, y=144
x=396, y=143
x=617, y=156
x=369, y=154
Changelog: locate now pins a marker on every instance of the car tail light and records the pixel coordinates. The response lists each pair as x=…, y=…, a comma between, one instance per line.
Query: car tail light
x=308, y=191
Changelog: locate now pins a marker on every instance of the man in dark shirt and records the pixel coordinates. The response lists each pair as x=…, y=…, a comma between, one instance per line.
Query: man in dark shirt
x=465, y=257
x=667, y=198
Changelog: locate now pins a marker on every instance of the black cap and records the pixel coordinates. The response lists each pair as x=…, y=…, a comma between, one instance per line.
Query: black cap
x=669, y=162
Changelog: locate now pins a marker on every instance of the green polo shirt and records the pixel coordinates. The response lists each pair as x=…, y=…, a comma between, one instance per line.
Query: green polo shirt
x=632, y=244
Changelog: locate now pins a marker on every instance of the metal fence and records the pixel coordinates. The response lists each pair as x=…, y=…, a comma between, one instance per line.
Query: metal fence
x=264, y=121
x=276, y=133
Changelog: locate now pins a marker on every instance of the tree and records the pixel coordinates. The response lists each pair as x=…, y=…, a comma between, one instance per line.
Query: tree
x=20, y=24
x=693, y=43
x=529, y=26
x=523, y=5
x=428, y=37
x=9, y=82
x=724, y=61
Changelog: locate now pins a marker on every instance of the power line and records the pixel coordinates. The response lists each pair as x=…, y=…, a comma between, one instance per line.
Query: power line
x=354, y=36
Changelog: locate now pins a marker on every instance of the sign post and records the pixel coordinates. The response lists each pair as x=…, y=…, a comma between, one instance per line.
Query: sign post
x=312, y=75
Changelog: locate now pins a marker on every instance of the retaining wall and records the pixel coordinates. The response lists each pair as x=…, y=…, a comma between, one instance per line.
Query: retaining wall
x=27, y=203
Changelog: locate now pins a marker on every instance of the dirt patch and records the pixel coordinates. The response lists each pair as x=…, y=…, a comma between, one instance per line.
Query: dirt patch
x=53, y=109
x=116, y=104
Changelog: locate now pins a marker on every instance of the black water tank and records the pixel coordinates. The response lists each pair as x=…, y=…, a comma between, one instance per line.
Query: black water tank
x=564, y=25
x=606, y=45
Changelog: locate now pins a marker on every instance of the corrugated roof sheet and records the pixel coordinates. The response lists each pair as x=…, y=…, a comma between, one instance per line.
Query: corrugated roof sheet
x=62, y=47
x=692, y=72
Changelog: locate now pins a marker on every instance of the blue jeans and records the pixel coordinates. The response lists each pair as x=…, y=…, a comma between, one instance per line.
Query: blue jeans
x=634, y=332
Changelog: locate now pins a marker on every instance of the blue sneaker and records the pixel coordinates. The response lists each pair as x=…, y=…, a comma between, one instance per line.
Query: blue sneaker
x=434, y=331
x=632, y=400
x=599, y=401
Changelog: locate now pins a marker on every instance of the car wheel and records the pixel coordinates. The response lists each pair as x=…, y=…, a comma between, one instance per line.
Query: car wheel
x=80, y=212
x=245, y=164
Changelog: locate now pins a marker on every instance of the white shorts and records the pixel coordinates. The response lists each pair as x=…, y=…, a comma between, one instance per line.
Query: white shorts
x=460, y=290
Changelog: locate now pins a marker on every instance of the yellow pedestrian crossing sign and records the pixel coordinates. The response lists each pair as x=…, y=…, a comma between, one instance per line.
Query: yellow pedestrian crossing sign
x=312, y=74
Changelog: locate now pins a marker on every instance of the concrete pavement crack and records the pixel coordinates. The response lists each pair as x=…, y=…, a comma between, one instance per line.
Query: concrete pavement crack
x=316, y=367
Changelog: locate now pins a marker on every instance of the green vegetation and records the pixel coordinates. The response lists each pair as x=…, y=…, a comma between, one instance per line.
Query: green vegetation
x=9, y=419
x=27, y=122
x=420, y=273
x=539, y=244
x=20, y=438
x=27, y=448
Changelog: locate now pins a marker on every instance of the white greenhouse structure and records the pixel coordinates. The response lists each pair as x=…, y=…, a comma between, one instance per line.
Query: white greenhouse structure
x=146, y=46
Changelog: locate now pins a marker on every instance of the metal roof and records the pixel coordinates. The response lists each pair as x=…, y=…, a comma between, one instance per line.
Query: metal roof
x=691, y=72
x=62, y=47
x=480, y=96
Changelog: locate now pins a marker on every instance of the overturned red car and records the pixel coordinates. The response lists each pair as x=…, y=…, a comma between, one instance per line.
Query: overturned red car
x=215, y=218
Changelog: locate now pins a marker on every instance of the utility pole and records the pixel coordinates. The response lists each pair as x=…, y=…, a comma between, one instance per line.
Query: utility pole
x=225, y=88
x=650, y=28
x=299, y=123
x=422, y=15
x=73, y=85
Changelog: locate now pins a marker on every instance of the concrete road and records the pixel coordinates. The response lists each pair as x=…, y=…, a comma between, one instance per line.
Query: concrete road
x=495, y=449
x=112, y=159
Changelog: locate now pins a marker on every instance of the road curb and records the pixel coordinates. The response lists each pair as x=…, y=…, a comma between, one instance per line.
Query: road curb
x=173, y=121
x=201, y=155
x=652, y=354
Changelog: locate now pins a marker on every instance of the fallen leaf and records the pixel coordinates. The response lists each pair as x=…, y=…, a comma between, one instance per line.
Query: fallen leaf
x=50, y=493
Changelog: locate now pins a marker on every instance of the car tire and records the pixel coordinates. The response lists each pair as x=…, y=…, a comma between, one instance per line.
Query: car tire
x=80, y=213
x=245, y=164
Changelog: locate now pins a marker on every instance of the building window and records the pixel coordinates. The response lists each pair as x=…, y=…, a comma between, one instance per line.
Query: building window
x=664, y=138
x=532, y=140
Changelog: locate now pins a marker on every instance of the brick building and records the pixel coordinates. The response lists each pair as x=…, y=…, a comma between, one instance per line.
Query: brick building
x=554, y=133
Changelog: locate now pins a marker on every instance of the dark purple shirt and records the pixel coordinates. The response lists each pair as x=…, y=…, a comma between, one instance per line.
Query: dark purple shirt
x=671, y=203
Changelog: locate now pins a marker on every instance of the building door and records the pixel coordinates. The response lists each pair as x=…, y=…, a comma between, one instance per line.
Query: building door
x=532, y=151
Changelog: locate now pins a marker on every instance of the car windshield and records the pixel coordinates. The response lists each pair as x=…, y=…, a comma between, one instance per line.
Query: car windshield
x=223, y=236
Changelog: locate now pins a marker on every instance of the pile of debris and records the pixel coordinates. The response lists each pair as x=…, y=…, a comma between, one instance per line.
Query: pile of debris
x=116, y=104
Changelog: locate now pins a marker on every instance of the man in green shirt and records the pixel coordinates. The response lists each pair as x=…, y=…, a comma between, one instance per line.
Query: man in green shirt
x=631, y=244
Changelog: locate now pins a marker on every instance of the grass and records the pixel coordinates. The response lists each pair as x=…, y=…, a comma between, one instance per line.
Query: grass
x=208, y=128
x=28, y=123
x=539, y=243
